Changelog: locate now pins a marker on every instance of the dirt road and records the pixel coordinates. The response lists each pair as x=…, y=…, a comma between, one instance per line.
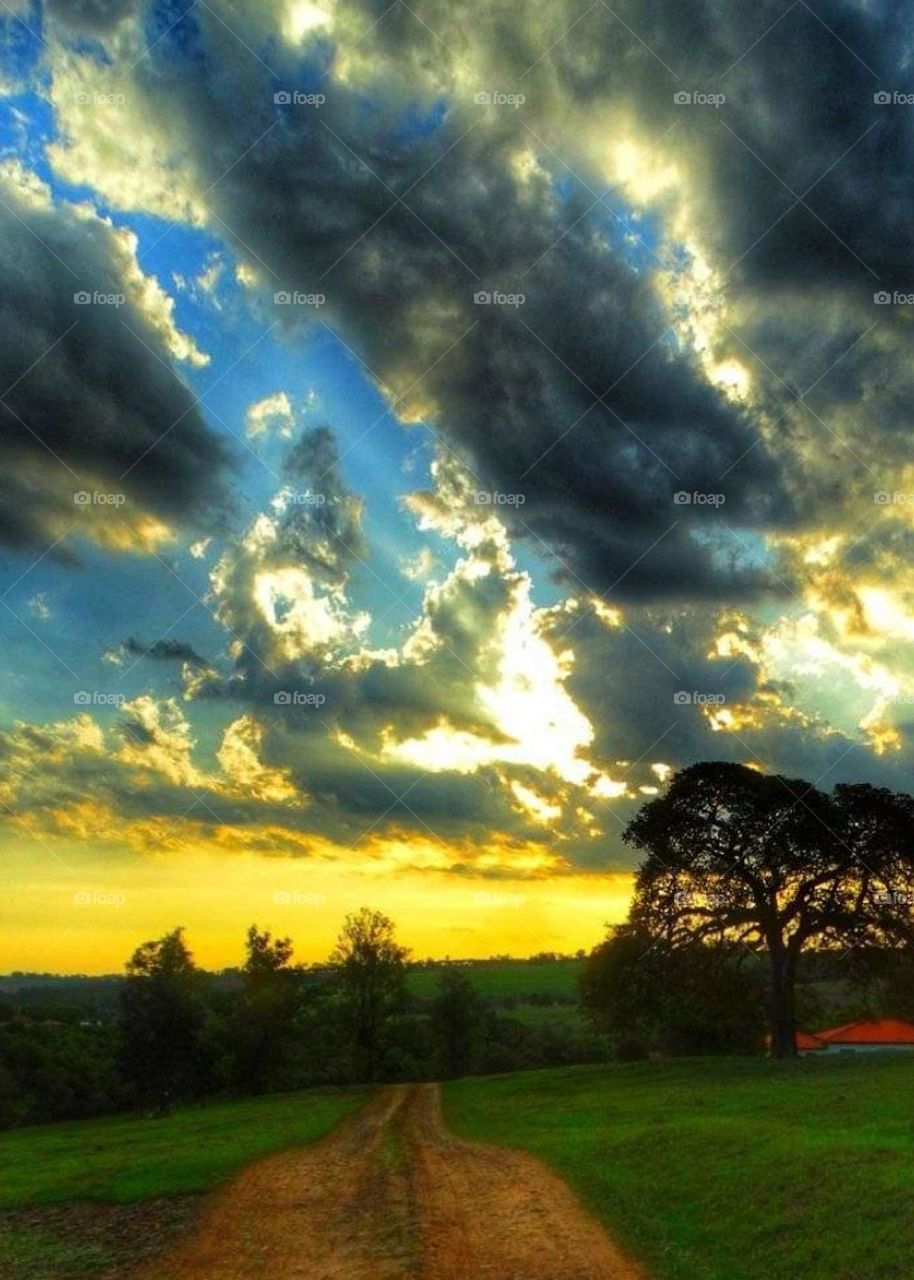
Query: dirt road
x=391, y=1195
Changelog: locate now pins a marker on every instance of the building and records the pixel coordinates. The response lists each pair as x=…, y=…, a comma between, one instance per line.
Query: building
x=866, y=1035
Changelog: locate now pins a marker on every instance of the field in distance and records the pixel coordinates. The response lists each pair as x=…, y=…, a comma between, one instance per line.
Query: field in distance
x=508, y=979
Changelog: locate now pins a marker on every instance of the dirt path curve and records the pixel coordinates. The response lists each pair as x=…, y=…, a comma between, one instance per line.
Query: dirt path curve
x=391, y=1195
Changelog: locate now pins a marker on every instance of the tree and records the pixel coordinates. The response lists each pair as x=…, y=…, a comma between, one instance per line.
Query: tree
x=263, y=1024
x=372, y=970
x=695, y=998
x=165, y=1053
x=737, y=856
x=460, y=1022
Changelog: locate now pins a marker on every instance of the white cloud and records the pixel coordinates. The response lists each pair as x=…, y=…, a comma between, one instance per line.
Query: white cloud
x=274, y=413
x=39, y=607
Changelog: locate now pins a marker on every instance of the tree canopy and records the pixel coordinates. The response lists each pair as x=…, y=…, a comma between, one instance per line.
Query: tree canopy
x=735, y=855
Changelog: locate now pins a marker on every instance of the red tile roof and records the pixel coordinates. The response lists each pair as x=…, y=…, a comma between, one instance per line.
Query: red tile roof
x=869, y=1031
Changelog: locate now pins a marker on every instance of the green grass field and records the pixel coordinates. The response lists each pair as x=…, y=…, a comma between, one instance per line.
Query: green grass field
x=123, y=1158
x=499, y=979
x=725, y=1169
x=93, y=1198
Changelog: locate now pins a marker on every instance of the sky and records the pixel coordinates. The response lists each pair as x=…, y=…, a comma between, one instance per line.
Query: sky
x=424, y=428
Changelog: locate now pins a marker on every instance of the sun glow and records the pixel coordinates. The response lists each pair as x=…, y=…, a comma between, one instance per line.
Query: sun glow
x=301, y=18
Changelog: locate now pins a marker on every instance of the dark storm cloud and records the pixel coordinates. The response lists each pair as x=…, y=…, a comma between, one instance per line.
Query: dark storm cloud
x=579, y=400
x=165, y=651
x=517, y=397
x=516, y=391
x=89, y=402
x=346, y=797
x=630, y=680
x=316, y=200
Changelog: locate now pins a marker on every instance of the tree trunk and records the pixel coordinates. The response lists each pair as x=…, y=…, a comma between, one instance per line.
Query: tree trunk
x=782, y=1005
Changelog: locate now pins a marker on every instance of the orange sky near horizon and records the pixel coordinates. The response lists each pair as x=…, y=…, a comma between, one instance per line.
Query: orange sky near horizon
x=90, y=918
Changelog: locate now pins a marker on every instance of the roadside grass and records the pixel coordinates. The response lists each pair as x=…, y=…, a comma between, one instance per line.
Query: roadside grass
x=124, y=1158
x=89, y=1239
x=95, y=1197
x=723, y=1169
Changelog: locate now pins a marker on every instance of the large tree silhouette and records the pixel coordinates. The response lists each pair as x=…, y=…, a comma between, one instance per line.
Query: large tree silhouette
x=737, y=855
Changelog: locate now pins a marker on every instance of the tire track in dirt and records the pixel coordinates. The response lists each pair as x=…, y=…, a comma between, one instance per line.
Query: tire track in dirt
x=391, y=1195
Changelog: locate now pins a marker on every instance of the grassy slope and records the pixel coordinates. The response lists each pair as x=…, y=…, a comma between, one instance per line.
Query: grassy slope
x=124, y=1159
x=725, y=1170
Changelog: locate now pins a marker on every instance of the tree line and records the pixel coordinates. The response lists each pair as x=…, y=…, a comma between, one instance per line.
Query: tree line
x=182, y=1034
